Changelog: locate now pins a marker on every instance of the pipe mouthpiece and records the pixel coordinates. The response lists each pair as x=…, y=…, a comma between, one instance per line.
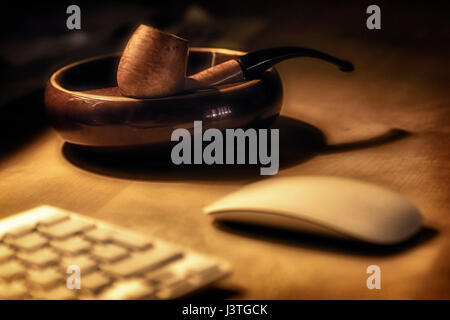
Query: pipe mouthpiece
x=346, y=66
x=256, y=62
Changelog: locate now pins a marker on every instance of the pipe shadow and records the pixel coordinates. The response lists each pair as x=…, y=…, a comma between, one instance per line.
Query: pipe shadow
x=299, y=142
x=323, y=242
x=387, y=137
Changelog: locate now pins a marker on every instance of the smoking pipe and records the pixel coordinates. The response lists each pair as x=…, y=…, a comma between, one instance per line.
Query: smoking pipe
x=154, y=62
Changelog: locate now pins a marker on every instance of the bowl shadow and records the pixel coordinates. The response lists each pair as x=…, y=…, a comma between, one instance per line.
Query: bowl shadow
x=299, y=142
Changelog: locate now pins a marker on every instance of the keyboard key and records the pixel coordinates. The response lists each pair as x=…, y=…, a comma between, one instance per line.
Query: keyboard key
x=5, y=253
x=196, y=269
x=29, y=242
x=175, y=290
x=40, y=257
x=200, y=269
x=72, y=245
x=94, y=281
x=13, y=290
x=206, y=276
x=66, y=228
x=20, y=231
x=128, y=289
x=125, y=239
x=98, y=234
x=54, y=218
x=11, y=269
x=131, y=241
x=46, y=277
x=143, y=261
x=161, y=276
x=108, y=252
x=84, y=262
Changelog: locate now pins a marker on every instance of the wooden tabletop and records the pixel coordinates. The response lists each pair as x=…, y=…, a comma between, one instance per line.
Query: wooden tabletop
x=385, y=123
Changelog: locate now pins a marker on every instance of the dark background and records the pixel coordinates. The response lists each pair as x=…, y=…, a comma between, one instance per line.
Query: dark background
x=35, y=40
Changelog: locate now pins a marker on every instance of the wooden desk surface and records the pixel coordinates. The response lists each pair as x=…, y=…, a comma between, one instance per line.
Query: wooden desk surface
x=386, y=123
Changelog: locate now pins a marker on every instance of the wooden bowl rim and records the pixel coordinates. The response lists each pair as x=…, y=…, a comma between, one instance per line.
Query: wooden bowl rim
x=55, y=77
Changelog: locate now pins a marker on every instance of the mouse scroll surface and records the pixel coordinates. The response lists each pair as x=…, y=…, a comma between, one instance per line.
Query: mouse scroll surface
x=331, y=205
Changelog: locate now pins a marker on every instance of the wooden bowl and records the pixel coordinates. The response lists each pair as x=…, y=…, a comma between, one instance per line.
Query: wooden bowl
x=87, y=109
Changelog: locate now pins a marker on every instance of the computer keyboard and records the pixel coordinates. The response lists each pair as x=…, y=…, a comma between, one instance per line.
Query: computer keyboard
x=38, y=246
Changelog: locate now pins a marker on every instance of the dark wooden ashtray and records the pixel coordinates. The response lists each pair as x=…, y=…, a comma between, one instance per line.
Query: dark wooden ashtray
x=87, y=109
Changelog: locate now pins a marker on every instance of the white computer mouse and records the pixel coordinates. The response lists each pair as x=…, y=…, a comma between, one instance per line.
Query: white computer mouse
x=330, y=205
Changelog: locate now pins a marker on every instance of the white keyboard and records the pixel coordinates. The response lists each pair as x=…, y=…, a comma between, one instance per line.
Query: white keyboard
x=38, y=246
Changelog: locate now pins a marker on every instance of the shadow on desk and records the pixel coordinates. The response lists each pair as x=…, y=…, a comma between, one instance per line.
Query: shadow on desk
x=299, y=142
x=322, y=242
x=216, y=293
